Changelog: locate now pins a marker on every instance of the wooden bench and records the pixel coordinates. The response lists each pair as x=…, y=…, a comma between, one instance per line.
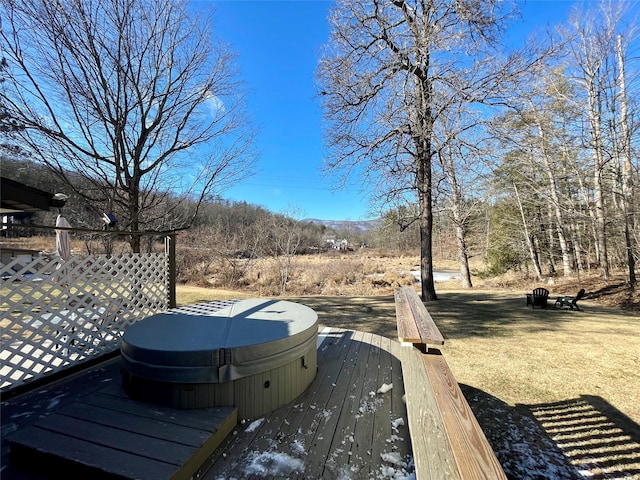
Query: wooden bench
x=415, y=325
x=446, y=438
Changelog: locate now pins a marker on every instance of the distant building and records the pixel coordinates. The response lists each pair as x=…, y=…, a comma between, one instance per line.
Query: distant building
x=338, y=244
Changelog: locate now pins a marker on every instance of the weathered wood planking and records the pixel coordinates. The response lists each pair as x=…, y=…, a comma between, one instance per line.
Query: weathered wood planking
x=474, y=457
x=110, y=434
x=415, y=324
x=429, y=332
x=282, y=425
x=407, y=328
x=332, y=441
x=27, y=408
x=447, y=440
x=339, y=426
x=381, y=428
x=432, y=451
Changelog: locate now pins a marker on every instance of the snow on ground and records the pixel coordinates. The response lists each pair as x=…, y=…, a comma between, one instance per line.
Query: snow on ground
x=270, y=464
x=273, y=462
x=253, y=426
x=385, y=388
x=519, y=442
x=522, y=446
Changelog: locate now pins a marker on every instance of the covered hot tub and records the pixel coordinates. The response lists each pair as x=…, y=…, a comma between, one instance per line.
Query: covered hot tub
x=254, y=354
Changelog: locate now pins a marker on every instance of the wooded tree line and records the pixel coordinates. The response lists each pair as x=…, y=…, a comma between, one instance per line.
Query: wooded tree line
x=569, y=158
x=430, y=102
x=529, y=155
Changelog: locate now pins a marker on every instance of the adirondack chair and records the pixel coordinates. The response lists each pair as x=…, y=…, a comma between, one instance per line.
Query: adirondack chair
x=538, y=298
x=570, y=302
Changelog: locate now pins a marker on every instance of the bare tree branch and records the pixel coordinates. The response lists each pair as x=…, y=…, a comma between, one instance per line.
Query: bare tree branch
x=132, y=94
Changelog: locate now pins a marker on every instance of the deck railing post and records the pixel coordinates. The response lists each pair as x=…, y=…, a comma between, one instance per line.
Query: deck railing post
x=170, y=250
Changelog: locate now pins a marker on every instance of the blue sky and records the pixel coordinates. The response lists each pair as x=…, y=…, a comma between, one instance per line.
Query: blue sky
x=278, y=45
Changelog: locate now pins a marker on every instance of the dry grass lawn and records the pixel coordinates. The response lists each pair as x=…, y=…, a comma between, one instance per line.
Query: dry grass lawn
x=559, y=387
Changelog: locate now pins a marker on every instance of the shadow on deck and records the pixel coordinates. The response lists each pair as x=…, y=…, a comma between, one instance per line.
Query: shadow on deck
x=343, y=424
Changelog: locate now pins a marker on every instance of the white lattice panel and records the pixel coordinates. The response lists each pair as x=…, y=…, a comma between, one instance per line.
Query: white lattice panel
x=55, y=316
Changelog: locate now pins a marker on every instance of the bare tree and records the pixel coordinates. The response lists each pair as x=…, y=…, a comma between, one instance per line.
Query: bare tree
x=533, y=254
x=628, y=187
x=392, y=71
x=539, y=126
x=281, y=235
x=134, y=95
x=589, y=56
x=456, y=156
x=597, y=61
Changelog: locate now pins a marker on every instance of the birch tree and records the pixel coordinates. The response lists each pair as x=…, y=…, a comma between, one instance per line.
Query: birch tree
x=545, y=119
x=133, y=94
x=628, y=187
x=533, y=254
x=391, y=72
x=595, y=42
x=460, y=159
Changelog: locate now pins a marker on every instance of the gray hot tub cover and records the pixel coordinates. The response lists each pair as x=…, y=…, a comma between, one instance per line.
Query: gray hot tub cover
x=241, y=339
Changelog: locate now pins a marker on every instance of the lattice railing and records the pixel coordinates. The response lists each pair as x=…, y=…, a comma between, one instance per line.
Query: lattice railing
x=55, y=316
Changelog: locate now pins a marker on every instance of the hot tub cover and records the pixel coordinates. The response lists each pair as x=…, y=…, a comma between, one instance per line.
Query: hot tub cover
x=204, y=345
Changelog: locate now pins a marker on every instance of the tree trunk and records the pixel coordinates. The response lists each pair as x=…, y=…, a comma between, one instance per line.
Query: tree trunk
x=532, y=250
x=426, y=231
x=598, y=168
x=463, y=258
x=133, y=187
x=424, y=185
x=426, y=259
x=627, y=170
x=461, y=231
x=555, y=203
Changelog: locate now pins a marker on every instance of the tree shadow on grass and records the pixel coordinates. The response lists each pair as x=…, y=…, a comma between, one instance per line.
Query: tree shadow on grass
x=622, y=291
x=367, y=314
x=482, y=314
x=457, y=314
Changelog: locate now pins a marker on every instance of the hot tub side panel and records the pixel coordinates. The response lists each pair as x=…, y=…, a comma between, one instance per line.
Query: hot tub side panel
x=253, y=395
x=258, y=394
x=178, y=395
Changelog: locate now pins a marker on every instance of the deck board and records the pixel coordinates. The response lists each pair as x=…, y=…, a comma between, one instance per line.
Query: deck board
x=474, y=457
x=407, y=328
x=381, y=430
x=402, y=443
x=109, y=434
x=370, y=407
x=431, y=449
x=344, y=440
x=332, y=438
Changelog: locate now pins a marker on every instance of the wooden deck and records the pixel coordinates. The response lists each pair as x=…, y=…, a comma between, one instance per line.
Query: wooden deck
x=350, y=423
x=106, y=433
x=340, y=427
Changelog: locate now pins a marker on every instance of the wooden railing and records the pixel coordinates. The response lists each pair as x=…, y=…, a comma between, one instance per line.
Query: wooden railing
x=56, y=314
x=446, y=438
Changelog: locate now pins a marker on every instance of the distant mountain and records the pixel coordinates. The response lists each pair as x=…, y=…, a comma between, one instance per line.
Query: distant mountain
x=342, y=225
